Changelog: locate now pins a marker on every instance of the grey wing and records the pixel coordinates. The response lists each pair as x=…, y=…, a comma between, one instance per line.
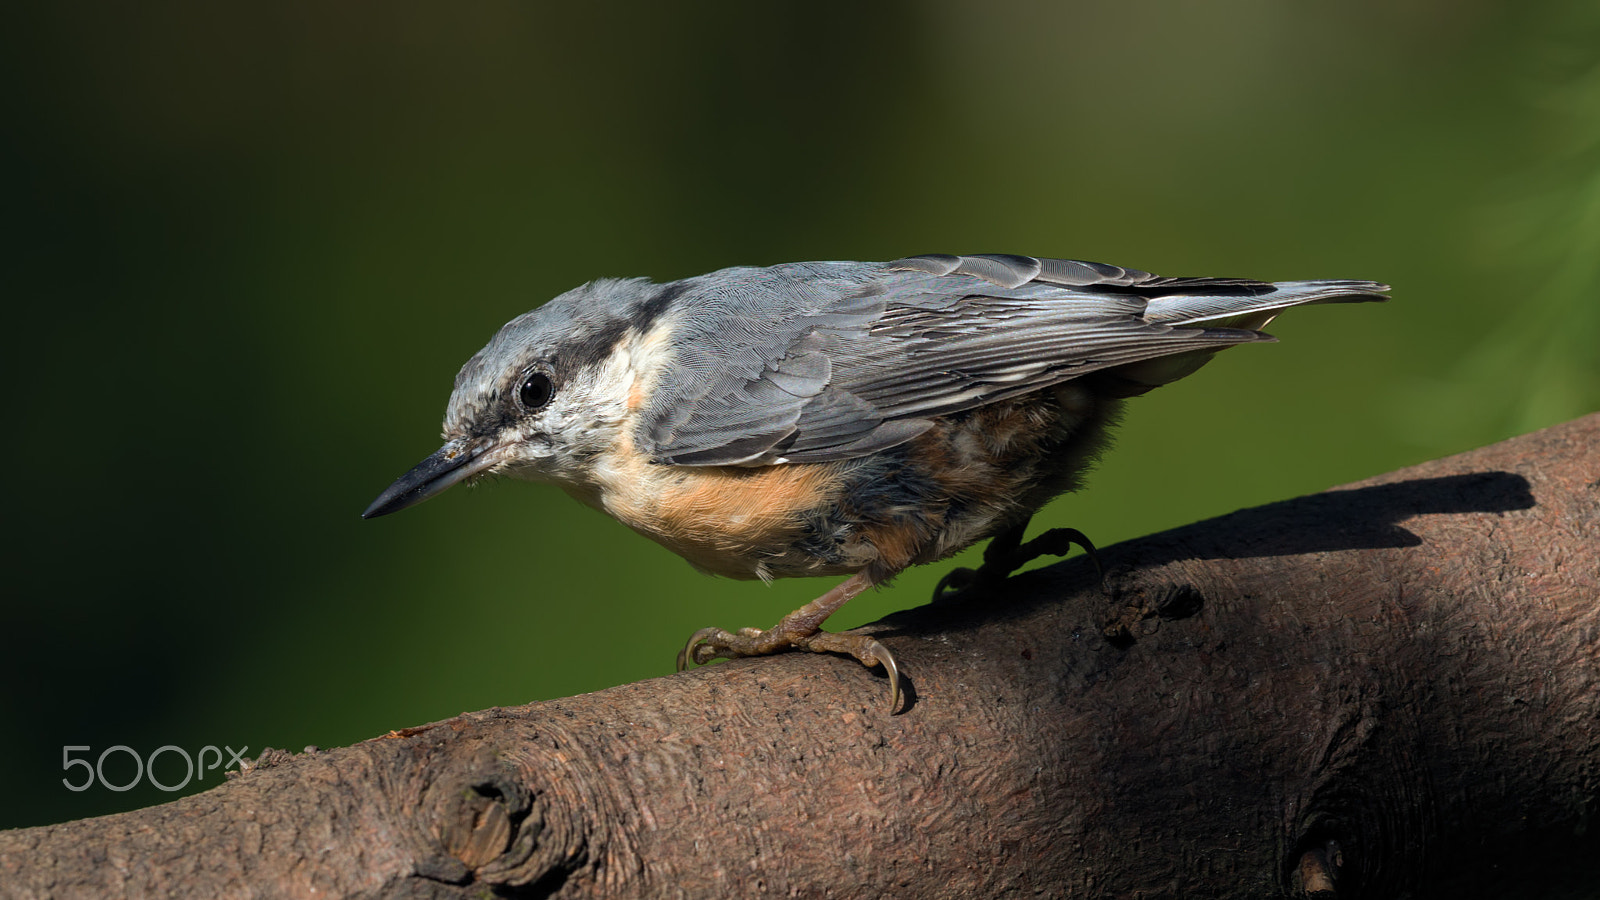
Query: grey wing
x=752, y=353
x=859, y=363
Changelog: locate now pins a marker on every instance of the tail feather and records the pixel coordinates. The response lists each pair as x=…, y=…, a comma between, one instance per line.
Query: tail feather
x=1246, y=311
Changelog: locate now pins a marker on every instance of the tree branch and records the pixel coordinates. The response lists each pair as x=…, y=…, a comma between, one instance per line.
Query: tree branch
x=1386, y=688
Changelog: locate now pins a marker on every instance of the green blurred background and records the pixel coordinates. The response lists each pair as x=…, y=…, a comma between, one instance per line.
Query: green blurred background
x=247, y=247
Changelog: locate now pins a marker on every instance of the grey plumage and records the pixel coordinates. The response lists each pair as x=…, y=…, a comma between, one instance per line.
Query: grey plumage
x=811, y=362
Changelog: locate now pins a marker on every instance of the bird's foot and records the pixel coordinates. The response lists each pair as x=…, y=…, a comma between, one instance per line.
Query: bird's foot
x=708, y=644
x=1006, y=554
x=801, y=629
x=1059, y=542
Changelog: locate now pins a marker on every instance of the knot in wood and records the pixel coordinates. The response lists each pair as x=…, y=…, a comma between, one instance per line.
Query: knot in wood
x=479, y=824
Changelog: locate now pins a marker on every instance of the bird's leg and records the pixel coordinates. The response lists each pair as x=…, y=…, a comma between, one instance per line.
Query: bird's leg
x=1001, y=545
x=802, y=629
x=1007, y=553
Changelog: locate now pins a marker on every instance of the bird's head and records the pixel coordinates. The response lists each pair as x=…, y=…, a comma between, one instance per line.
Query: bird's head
x=546, y=395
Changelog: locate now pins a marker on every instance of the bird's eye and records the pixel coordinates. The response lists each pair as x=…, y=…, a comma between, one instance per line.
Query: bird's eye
x=535, y=392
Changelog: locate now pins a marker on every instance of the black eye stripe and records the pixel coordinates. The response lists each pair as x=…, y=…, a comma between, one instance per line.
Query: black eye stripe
x=536, y=391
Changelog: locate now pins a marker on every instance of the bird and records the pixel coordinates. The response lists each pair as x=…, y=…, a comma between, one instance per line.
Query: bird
x=836, y=418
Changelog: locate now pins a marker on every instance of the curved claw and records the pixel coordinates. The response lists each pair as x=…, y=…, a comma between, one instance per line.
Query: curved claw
x=890, y=668
x=1060, y=541
x=695, y=640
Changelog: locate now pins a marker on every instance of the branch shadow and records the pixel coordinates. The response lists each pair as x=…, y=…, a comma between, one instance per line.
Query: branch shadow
x=1364, y=518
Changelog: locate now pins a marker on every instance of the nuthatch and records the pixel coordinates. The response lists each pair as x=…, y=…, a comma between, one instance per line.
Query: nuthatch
x=834, y=418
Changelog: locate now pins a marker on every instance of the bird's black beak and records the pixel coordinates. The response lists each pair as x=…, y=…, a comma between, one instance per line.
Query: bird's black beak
x=455, y=462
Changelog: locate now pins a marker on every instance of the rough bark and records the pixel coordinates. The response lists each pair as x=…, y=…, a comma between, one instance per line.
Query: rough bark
x=1389, y=689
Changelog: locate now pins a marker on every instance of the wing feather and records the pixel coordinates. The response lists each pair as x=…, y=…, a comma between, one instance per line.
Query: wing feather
x=817, y=361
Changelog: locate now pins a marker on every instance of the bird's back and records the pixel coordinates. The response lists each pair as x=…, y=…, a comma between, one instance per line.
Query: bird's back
x=809, y=362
